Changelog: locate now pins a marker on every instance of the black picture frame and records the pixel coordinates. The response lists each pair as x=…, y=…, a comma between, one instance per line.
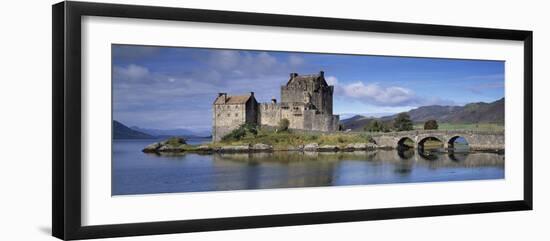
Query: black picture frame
x=66, y=75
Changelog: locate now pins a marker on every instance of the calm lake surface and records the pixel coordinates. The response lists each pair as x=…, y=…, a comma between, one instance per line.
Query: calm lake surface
x=135, y=172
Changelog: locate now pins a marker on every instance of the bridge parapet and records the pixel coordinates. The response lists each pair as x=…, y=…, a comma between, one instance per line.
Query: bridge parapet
x=441, y=132
x=477, y=140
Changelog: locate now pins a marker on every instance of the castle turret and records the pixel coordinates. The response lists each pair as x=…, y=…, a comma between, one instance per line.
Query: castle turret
x=309, y=89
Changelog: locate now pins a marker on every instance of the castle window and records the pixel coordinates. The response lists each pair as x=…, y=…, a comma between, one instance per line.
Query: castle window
x=228, y=115
x=236, y=114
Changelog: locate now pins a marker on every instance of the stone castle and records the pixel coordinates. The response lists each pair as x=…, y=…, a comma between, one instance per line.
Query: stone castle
x=306, y=102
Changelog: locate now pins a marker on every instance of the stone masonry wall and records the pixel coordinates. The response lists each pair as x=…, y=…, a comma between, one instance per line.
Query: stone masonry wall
x=477, y=140
x=322, y=98
x=226, y=118
x=269, y=114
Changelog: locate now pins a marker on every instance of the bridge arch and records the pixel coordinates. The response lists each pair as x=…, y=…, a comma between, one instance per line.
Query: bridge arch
x=405, y=143
x=460, y=141
x=432, y=143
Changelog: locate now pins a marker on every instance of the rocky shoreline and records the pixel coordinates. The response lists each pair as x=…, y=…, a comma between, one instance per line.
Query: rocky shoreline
x=179, y=145
x=165, y=147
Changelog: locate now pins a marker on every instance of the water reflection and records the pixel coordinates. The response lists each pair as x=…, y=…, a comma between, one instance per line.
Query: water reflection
x=138, y=173
x=405, y=153
x=306, y=169
x=458, y=156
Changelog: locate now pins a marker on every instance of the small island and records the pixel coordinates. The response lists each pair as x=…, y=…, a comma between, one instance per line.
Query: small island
x=252, y=139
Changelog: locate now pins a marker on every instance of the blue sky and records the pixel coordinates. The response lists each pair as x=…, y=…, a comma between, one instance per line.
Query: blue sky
x=168, y=87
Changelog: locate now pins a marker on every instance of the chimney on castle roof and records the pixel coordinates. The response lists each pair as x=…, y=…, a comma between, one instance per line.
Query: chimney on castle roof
x=274, y=101
x=292, y=75
x=251, y=93
x=223, y=96
x=322, y=73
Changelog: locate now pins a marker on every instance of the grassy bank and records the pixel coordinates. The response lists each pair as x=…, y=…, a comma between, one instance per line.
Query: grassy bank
x=289, y=139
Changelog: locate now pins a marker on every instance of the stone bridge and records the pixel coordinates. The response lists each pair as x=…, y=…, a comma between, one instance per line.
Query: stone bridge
x=477, y=140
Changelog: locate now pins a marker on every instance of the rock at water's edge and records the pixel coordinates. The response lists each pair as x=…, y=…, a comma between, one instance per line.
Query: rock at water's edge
x=311, y=147
x=169, y=148
x=204, y=148
x=261, y=147
x=235, y=148
x=152, y=148
x=327, y=148
x=356, y=146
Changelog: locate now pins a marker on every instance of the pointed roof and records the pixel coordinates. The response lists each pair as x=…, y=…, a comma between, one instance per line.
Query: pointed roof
x=234, y=99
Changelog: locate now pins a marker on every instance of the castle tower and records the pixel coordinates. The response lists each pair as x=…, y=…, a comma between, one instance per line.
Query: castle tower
x=229, y=112
x=309, y=88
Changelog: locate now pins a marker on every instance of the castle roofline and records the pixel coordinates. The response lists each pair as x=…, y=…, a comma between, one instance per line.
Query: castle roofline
x=224, y=99
x=308, y=77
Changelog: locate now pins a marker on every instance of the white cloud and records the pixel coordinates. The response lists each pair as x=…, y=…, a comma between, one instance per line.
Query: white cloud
x=331, y=80
x=231, y=63
x=295, y=60
x=131, y=72
x=225, y=59
x=378, y=95
x=391, y=96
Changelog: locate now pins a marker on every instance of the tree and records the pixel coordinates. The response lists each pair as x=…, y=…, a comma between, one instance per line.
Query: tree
x=431, y=125
x=374, y=126
x=283, y=124
x=403, y=122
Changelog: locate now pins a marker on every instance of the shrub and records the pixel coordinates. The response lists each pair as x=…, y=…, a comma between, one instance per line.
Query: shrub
x=431, y=125
x=175, y=141
x=312, y=137
x=403, y=122
x=242, y=131
x=283, y=124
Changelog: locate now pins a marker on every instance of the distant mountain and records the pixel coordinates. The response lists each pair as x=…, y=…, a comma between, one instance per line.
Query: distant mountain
x=479, y=112
x=120, y=131
x=172, y=132
x=356, y=122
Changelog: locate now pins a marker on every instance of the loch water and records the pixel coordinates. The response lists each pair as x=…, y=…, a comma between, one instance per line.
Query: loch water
x=135, y=172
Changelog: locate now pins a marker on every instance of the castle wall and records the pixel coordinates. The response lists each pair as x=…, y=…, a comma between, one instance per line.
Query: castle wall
x=269, y=114
x=291, y=94
x=252, y=111
x=308, y=117
x=299, y=118
x=227, y=118
x=323, y=122
x=295, y=118
x=321, y=99
x=327, y=97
